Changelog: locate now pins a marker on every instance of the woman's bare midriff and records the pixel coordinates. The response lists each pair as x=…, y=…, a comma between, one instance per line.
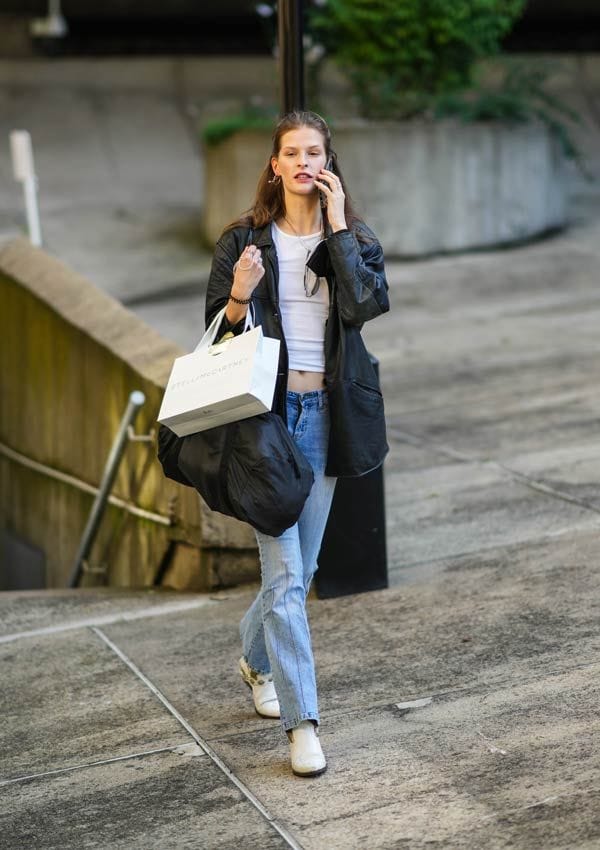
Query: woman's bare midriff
x=304, y=382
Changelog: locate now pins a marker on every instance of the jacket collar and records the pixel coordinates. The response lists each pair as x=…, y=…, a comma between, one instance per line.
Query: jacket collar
x=262, y=236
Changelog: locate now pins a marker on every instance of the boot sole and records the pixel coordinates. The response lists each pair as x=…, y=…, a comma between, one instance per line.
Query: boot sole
x=312, y=772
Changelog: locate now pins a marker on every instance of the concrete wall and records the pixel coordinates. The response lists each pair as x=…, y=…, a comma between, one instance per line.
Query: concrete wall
x=424, y=187
x=427, y=187
x=69, y=358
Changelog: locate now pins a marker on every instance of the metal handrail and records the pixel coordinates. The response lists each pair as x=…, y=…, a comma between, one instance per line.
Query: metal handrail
x=83, y=486
x=136, y=400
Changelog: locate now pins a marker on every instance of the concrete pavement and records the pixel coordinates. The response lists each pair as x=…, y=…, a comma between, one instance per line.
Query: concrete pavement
x=457, y=711
x=459, y=707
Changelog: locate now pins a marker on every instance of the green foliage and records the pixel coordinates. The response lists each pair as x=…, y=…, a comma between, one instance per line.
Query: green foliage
x=249, y=118
x=401, y=55
x=520, y=96
x=408, y=58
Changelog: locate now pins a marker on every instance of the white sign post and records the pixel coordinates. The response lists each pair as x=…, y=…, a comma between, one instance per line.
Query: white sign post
x=24, y=171
x=53, y=25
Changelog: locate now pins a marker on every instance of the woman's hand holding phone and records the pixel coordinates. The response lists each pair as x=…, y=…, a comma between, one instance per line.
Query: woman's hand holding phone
x=330, y=187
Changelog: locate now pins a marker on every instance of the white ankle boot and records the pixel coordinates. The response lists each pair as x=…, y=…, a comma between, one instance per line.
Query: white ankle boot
x=263, y=690
x=305, y=749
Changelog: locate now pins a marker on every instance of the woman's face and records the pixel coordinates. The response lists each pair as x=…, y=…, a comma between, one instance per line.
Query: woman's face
x=301, y=156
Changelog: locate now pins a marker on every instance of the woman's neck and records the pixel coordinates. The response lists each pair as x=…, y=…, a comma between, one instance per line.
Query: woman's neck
x=302, y=216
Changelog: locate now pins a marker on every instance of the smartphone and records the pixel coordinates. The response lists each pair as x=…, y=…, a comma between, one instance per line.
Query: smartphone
x=322, y=196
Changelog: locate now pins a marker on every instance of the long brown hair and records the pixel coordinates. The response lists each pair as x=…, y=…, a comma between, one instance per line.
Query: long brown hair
x=269, y=202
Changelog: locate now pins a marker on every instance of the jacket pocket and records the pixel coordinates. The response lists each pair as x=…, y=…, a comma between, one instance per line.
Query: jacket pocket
x=375, y=391
x=357, y=439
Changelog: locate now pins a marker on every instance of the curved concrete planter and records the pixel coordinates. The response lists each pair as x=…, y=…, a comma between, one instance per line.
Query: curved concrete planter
x=424, y=187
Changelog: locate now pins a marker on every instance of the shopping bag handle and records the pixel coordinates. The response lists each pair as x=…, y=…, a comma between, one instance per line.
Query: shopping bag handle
x=211, y=331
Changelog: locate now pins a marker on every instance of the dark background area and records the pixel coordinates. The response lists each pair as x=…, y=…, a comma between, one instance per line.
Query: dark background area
x=114, y=27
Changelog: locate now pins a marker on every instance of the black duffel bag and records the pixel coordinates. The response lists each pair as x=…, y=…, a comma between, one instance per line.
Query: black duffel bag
x=251, y=470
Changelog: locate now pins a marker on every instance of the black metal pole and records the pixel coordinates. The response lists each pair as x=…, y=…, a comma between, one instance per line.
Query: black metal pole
x=291, y=55
x=353, y=556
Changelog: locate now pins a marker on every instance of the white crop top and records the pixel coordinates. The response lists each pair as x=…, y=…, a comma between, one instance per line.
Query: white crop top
x=303, y=318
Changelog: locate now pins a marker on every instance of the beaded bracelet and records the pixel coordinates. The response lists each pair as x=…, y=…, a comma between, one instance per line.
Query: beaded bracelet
x=240, y=300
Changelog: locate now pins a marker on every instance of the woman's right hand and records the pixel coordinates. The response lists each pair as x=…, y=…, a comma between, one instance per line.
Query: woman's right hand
x=247, y=272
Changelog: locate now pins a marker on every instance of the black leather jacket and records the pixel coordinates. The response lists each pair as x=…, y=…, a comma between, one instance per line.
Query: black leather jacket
x=358, y=292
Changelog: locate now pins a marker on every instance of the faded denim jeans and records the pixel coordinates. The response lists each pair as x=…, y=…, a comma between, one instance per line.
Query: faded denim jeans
x=274, y=631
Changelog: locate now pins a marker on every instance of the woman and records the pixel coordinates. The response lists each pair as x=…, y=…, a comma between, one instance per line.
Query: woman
x=313, y=273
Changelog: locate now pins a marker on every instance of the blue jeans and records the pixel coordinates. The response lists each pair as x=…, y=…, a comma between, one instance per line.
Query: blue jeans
x=274, y=631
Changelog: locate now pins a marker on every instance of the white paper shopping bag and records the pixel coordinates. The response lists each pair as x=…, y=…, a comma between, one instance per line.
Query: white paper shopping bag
x=216, y=384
